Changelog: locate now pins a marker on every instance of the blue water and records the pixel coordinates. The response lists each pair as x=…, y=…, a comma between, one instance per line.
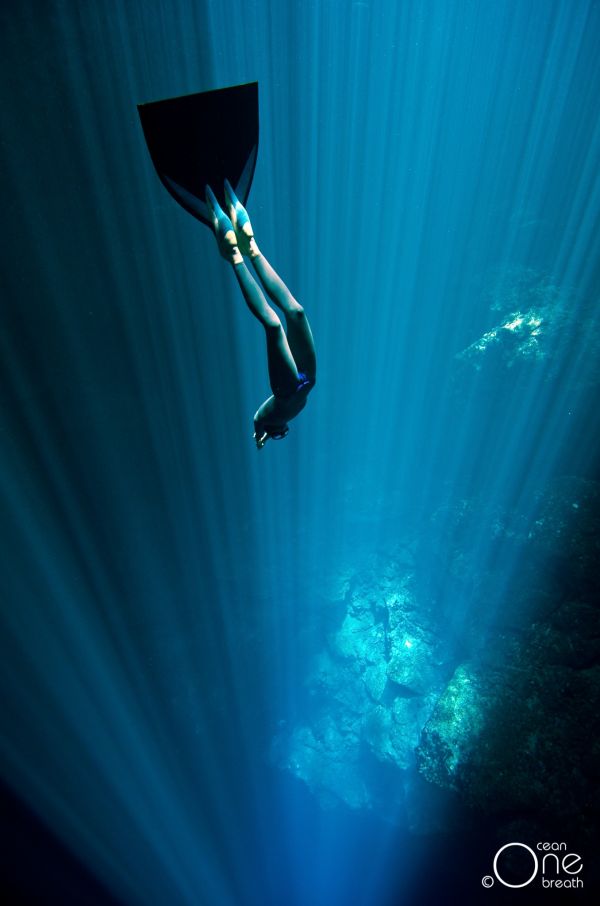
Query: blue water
x=426, y=171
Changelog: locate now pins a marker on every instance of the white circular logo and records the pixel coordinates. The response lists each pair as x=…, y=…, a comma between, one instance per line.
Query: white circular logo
x=535, y=862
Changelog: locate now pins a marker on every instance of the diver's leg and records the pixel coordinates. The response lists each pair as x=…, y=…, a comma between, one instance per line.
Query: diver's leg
x=283, y=374
x=298, y=329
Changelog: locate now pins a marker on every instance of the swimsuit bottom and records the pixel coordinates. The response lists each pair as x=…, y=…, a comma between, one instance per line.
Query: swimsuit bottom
x=303, y=381
x=278, y=433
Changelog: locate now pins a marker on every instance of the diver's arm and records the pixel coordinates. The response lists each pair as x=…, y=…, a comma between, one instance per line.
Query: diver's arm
x=264, y=412
x=260, y=437
x=270, y=421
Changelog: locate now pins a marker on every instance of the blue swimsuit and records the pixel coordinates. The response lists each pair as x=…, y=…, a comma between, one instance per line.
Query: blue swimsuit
x=280, y=432
x=303, y=381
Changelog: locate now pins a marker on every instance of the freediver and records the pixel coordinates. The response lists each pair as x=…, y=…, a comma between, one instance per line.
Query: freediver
x=290, y=353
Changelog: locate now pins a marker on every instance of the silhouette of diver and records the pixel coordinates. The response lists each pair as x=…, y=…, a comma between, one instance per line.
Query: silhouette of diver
x=291, y=353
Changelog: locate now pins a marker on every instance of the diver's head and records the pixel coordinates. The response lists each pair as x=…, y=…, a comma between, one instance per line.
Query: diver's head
x=272, y=433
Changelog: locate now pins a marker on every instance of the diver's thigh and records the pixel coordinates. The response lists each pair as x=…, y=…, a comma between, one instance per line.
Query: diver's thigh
x=301, y=342
x=283, y=373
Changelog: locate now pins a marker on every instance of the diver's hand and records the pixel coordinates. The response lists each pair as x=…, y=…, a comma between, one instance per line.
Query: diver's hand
x=223, y=228
x=241, y=223
x=260, y=440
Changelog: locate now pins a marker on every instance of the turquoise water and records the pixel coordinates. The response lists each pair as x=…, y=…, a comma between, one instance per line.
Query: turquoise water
x=428, y=186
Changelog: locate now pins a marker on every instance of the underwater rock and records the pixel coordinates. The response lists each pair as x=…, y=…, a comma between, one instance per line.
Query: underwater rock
x=393, y=733
x=566, y=531
x=518, y=738
x=454, y=730
x=478, y=696
x=327, y=760
x=361, y=638
x=516, y=728
x=540, y=343
x=569, y=637
x=412, y=665
x=536, y=323
x=375, y=680
x=372, y=689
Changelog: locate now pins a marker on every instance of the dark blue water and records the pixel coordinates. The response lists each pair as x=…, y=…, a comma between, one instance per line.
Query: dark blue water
x=428, y=186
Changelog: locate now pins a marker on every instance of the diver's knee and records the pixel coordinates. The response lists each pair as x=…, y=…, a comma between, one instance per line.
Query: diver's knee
x=272, y=324
x=295, y=311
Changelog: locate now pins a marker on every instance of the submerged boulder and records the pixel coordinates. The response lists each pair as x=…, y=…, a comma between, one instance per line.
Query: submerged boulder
x=372, y=689
x=415, y=709
x=327, y=760
x=536, y=322
x=516, y=729
x=521, y=736
x=413, y=664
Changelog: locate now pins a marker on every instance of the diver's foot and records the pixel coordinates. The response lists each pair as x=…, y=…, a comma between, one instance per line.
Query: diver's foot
x=241, y=223
x=224, y=232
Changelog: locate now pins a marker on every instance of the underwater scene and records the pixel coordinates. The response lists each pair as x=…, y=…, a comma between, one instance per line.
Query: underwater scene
x=359, y=666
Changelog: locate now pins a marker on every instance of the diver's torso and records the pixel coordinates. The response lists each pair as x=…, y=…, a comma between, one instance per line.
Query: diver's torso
x=277, y=411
